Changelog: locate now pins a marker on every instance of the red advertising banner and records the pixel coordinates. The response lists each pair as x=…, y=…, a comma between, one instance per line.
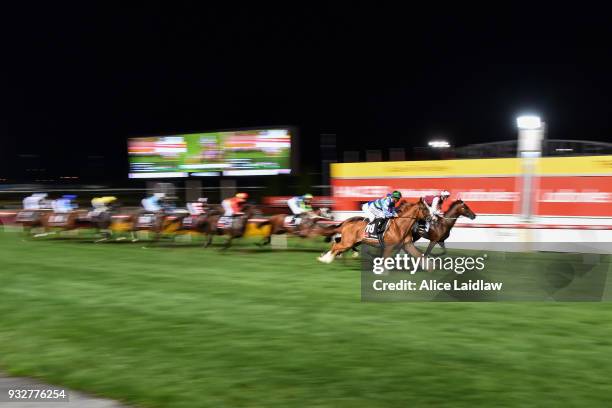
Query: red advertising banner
x=579, y=196
x=486, y=195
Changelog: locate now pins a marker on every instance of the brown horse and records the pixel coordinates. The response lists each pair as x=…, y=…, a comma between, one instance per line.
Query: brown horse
x=397, y=236
x=237, y=228
x=309, y=227
x=440, y=230
x=69, y=221
x=182, y=223
x=32, y=219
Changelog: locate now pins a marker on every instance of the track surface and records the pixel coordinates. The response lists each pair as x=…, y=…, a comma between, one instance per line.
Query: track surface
x=185, y=327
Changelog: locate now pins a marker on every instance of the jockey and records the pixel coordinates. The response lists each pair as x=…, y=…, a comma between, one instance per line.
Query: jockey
x=382, y=209
x=152, y=204
x=198, y=207
x=232, y=207
x=434, y=205
x=64, y=204
x=102, y=204
x=300, y=206
x=34, y=202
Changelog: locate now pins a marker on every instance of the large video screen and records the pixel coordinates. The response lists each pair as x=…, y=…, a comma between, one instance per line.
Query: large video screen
x=231, y=153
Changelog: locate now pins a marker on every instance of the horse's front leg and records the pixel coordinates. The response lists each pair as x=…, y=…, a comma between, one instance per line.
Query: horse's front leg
x=266, y=241
x=388, y=251
x=228, y=242
x=430, y=247
x=208, y=239
x=412, y=250
x=443, y=246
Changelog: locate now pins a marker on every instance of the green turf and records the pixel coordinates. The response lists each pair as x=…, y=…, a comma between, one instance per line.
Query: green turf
x=188, y=327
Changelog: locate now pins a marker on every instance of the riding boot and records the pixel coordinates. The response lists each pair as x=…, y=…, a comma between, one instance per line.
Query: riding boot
x=380, y=226
x=380, y=230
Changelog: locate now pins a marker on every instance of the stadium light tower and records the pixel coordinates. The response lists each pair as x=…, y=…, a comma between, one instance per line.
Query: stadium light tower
x=530, y=136
x=439, y=144
x=529, y=122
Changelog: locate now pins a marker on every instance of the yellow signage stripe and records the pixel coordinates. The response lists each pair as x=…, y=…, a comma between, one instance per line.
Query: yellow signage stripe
x=580, y=165
x=428, y=168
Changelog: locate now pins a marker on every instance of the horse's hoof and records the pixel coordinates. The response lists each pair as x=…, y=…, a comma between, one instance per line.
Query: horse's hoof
x=324, y=259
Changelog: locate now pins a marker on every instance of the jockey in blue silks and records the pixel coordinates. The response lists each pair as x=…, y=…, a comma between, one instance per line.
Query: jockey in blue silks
x=382, y=209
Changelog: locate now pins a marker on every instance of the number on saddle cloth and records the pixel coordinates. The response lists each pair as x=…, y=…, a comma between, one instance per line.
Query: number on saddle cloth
x=291, y=221
x=188, y=221
x=58, y=219
x=146, y=220
x=375, y=228
x=225, y=222
x=27, y=216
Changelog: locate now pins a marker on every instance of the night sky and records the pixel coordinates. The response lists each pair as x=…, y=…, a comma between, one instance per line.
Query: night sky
x=78, y=80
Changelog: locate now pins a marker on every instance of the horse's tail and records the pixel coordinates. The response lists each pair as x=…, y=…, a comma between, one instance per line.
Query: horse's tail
x=332, y=230
x=354, y=219
x=262, y=223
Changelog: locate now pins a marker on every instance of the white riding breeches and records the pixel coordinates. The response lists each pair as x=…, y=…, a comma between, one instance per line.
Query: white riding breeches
x=372, y=212
x=294, y=207
x=228, y=209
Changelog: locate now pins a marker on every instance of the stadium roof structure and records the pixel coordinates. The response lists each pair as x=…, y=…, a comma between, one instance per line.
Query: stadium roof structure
x=550, y=147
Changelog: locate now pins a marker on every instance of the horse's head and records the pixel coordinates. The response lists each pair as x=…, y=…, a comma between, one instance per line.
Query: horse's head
x=418, y=210
x=422, y=211
x=462, y=209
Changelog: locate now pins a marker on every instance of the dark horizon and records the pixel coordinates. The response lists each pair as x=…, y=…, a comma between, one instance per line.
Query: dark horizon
x=85, y=79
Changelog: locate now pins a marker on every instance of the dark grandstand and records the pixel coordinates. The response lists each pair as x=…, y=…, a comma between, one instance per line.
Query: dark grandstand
x=550, y=147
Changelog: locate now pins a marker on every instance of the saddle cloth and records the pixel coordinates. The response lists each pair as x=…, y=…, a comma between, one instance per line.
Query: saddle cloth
x=58, y=219
x=231, y=222
x=189, y=221
x=371, y=230
x=146, y=220
x=289, y=221
x=27, y=216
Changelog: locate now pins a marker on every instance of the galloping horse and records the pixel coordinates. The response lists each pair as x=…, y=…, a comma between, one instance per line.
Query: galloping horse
x=309, y=227
x=31, y=219
x=133, y=220
x=181, y=223
x=68, y=221
x=397, y=236
x=236, y=230
x=440, y=230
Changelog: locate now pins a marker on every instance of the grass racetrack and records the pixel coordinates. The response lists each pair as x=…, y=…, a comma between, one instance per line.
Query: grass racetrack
x=190, y=327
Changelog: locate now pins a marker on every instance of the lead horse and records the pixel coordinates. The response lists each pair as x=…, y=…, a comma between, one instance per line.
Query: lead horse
x=440, y=230
x=397, y=236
